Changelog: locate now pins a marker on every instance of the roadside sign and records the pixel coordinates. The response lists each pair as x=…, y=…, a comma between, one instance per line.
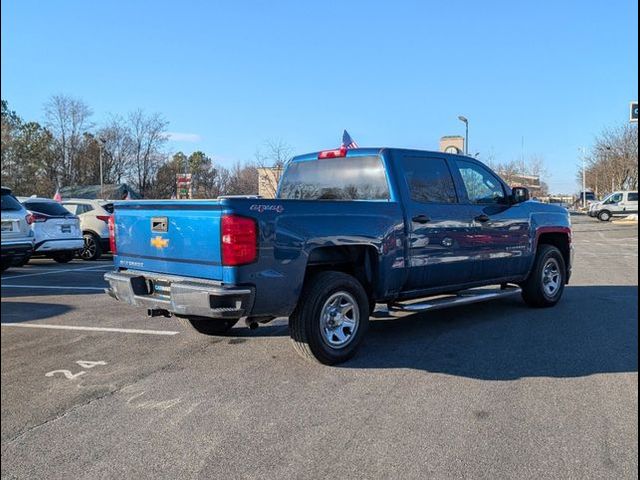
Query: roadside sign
x=633, y=114
x=183, y=184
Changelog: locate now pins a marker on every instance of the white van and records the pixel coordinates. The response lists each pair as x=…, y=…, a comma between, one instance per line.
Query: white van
x=616, y=204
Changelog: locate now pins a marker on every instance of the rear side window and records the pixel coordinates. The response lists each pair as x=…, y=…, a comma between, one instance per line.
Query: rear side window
x=633, y=196
x=429, y=180
x=108, y=207
x=71, y=207
x=10, y=203
x=47, y=208
x=350, y=178
x=83, y=208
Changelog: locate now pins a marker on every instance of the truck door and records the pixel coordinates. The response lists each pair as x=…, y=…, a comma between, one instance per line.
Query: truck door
x=437, y=223
x=499, y=237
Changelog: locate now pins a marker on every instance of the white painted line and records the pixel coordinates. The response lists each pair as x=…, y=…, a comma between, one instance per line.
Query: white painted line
x=90, y=329
x=53, y=287
x=49, y=272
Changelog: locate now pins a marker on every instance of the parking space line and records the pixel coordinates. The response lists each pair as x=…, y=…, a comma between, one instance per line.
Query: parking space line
x=48, y=272
x=53, y=287
x=90, y=329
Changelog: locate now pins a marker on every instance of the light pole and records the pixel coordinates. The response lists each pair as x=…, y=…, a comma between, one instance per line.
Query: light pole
x=584, y=180
x=101, y=142
x=464, y=120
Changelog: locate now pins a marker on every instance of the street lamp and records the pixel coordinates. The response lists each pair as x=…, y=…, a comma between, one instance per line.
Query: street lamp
x=584, y=179
x=101, y=142
x=607, y=149
x=464, y=120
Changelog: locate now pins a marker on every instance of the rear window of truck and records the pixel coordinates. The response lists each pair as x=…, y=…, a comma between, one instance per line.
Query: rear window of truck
x=343, y=178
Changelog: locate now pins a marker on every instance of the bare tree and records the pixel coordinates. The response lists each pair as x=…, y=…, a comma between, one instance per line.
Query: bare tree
x=612, y=163
x=270, y=161
x=117, y=149
x=147, y=142
x=243, y=180
x=516, y=172
x=67, y=118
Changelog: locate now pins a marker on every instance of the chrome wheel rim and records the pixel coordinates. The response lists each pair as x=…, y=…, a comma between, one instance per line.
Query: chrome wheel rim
x=551, y=277
x=89, y=249
x=339, y=320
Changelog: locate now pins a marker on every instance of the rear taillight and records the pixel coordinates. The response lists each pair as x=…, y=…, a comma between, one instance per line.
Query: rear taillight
x=29, y=218
x=104, y=218
x=239, y=240
x=339, y=152
x=112, y=234
x=37, y=217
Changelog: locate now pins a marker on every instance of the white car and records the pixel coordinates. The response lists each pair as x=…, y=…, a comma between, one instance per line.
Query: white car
x=17, y=237
x=94, y=223
x=620, y=203
x=57, y=232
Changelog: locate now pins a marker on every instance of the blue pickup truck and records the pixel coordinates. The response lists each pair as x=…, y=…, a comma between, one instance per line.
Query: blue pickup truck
x=409, y=230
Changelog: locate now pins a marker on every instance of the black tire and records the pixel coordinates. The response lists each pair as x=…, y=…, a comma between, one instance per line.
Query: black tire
x=92, y=249
x=208, y=326
x=536, y=289
x=309, y=336
x=6, y=263
x=23, y=261
x=604, y=216
x=65, y=257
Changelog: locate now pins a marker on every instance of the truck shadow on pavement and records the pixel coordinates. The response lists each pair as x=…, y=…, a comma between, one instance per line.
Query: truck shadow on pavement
x=18, y=312
x=592, y=330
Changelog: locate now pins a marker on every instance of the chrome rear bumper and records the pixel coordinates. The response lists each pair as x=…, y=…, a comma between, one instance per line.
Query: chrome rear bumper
x=180, y=295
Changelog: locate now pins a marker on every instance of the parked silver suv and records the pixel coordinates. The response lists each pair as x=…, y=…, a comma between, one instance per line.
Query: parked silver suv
x=17, y=236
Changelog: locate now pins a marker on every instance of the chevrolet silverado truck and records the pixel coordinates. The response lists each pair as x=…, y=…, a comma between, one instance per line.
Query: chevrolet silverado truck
x=409, y=230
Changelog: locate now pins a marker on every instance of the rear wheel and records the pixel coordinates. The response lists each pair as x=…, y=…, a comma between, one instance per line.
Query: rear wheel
x=545, y=284
x=208, y=326
x=331, y=318
x=64, y=257
x=92, y=249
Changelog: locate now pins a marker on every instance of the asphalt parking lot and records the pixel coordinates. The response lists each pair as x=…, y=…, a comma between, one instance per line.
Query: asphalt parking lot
x=95, y=389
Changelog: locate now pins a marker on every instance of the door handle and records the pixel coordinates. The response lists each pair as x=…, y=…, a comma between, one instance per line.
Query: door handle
x=421, y=219
x=482, y=218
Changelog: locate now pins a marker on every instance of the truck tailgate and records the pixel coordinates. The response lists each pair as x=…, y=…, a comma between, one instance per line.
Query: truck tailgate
x=172, y=237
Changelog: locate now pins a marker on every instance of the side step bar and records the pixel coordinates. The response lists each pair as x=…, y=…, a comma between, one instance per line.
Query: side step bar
x=464, y=297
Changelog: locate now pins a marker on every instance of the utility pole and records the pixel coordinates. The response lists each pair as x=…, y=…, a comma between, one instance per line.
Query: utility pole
x=464, y=120
x=584, y=180
x=101, y=142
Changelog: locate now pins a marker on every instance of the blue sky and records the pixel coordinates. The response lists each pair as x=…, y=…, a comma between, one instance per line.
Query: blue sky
x=232, y=75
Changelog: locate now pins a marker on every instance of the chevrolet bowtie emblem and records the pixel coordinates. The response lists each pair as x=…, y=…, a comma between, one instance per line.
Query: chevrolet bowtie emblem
x=159, y=242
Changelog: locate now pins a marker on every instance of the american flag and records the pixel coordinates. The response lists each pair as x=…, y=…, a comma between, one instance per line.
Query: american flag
x=347, y=141
x=57, y=197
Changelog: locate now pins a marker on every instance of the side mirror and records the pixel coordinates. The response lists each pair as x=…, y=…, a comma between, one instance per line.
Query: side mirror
x=519, y=195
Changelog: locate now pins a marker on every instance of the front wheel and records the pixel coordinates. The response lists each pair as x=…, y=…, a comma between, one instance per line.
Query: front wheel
x=208, y=326
x=331, y=318
x=604, y=216
x=545, y=284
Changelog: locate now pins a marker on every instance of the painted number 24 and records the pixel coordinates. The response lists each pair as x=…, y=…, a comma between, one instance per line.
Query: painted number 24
x=70, y=376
